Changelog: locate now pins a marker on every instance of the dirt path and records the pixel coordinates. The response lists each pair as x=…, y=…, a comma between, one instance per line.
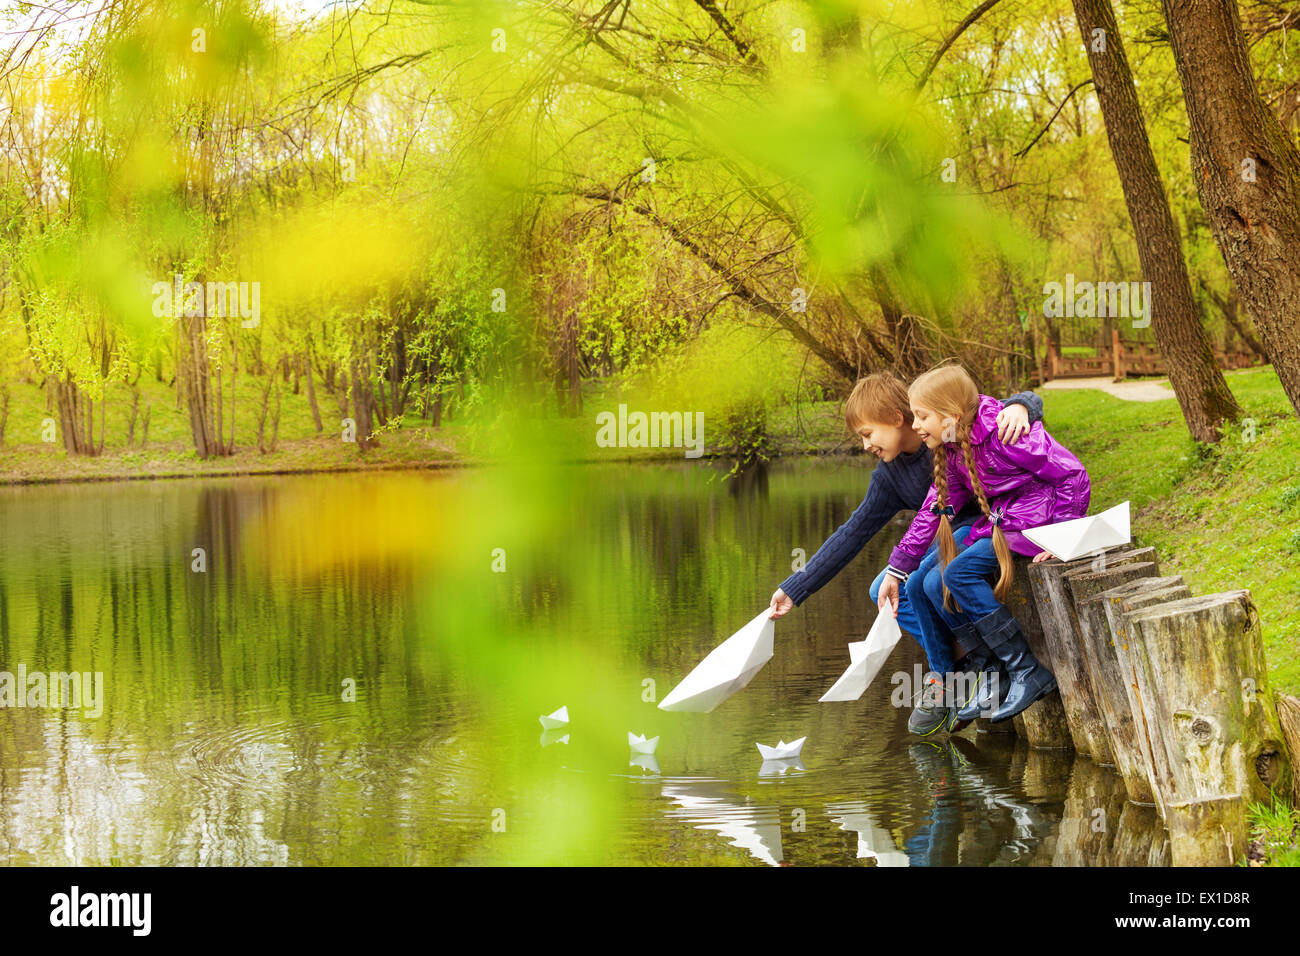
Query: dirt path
x=1132, y=390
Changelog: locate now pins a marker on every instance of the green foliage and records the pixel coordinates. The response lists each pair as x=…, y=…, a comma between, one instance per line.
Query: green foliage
x=1275, y=830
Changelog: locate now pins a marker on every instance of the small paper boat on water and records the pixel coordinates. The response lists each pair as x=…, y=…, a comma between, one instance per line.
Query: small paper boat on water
x=728, y=668
x=558, y=718
x=1081, y=537
x=640, y=745
x=782, y=751
x=866, y=658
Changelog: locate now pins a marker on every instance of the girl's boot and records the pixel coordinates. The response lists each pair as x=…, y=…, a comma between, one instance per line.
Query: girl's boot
x=990, y=684
x=1028, y=679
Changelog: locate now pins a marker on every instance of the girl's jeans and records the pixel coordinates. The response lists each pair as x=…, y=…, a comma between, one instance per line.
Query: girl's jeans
x=916, y=614
x=967, y=577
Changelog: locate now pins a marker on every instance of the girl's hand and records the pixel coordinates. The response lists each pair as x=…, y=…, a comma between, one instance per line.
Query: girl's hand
x=1042, y=556
x=888, y=598
x=781, y=604
x=1013, y=423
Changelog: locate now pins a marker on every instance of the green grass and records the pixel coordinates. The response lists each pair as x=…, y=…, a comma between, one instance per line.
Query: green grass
x=1275, y=833
x=1224, y=518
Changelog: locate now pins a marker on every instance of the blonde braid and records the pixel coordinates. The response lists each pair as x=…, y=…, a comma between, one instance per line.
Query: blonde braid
x=947, y=543
x=1006, y=566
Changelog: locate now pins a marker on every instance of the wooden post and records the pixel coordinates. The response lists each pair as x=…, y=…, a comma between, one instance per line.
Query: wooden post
x=1117, y=354
x=1207, y=832
x=1043, y=724
x=1119, y=601
x=1288, y=715
x=1104, y=670
x=1061, y=637
x=1203, y=681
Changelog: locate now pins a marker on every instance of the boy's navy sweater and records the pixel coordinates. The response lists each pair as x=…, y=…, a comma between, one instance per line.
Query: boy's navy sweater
x=898, y=485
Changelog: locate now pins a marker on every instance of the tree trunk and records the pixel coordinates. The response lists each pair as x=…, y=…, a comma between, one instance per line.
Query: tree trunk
x=311, y=394
x=1247, y=172
x=1228, y=308
x=1175, y=321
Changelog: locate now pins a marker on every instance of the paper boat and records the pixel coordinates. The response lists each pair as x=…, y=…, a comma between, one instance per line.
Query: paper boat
x=640, y=745
x=559, y=718
x=866, y=657
x=782, y=751
x=728, y=668
x=1070, y=540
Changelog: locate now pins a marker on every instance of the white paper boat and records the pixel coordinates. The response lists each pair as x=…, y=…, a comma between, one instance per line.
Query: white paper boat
x=1081, y=537
x=728, y=668
x=640, y=745
x=782, y=751
x=559, y=718
x=866, y=658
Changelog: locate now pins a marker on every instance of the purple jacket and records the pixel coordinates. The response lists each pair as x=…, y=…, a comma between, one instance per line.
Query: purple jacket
x=1033, y=482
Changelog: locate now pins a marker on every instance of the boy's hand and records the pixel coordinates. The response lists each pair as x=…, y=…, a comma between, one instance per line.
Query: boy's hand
x=1042, y=556
x=888, y=597
x=781, y=604
x=1013, y=423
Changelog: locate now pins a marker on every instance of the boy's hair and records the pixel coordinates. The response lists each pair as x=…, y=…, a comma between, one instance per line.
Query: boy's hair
x=877, y=398
x=951, y=393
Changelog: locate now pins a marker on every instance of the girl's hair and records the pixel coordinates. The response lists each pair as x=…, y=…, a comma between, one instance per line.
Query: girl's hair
x=951, y=393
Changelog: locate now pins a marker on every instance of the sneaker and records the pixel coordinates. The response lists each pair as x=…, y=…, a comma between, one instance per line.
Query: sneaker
x=932, y=714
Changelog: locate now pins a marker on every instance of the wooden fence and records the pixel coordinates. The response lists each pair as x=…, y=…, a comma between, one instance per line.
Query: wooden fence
x=1125, y=358
x=1168, y=688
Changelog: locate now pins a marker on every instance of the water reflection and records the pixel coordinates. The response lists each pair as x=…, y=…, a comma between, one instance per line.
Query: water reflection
x=286, y=705
x=707, y=805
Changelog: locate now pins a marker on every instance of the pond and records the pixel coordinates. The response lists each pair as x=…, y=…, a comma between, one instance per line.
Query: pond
x=349, y=669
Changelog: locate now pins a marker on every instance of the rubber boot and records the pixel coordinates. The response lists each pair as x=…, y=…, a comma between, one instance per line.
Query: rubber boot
x=990, y=678
x=1029, y=680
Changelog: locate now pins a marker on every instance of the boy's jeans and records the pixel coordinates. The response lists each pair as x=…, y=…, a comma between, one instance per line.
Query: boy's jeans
x=916, y=614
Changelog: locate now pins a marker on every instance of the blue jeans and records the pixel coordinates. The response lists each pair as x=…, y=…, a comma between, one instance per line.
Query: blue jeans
x=968, y=578
x=915, y=613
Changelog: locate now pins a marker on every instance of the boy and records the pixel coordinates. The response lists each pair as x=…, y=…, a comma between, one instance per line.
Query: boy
x=878, y=410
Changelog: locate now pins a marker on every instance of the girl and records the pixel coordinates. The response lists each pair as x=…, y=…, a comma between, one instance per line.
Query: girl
x=1032, y=483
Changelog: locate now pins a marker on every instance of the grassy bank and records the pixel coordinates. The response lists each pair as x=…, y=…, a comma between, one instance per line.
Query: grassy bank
x=1223, y=518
